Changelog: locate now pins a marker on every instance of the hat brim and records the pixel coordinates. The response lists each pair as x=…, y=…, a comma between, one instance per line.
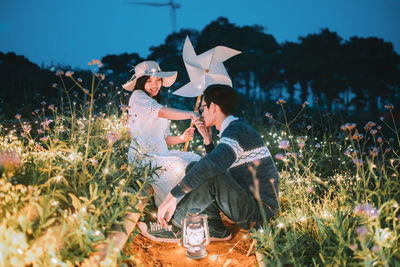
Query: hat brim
x=169, y=77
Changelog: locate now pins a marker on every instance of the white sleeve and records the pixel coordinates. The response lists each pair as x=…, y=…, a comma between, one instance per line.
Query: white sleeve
x=140, y=104
x=167, y=130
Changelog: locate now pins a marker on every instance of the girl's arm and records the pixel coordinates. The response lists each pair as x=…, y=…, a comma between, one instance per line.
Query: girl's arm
x=174, y=140
x=177, y=114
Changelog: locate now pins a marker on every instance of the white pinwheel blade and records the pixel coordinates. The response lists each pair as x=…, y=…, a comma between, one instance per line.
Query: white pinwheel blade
x=190, y=90
x=204, y=69
x=222, y=53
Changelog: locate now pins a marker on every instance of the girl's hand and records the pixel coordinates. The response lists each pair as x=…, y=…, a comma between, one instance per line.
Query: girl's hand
x=194, y=115
x=188, y=134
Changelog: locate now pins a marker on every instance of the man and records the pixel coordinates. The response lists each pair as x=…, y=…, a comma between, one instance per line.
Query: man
x=238, y=176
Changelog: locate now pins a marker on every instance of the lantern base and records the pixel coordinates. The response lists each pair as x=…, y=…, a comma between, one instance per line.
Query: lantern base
x=197, y=255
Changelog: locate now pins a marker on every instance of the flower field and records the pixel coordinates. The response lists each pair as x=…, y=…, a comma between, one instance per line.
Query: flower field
x=65, y=184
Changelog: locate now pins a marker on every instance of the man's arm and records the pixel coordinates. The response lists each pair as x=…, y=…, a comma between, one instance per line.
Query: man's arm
x=216, y=162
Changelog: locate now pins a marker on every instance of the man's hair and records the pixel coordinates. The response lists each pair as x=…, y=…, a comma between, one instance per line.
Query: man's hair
x=222, y=95
x=140, y=82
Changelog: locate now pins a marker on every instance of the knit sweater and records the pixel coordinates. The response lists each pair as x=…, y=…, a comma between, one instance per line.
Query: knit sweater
x=239, y=148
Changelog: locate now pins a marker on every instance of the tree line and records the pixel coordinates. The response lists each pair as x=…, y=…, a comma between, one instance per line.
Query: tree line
x=359, y=74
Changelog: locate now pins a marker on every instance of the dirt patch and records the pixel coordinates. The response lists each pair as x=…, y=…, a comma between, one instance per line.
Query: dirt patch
x=150, y=253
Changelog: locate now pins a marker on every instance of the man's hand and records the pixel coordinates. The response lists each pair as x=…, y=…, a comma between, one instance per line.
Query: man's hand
x=166, y=210
x=203, y=130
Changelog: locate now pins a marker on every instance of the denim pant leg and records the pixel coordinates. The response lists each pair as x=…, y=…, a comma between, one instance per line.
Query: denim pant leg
x=221, y=192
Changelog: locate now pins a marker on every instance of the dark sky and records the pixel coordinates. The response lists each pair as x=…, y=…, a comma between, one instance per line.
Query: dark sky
x=75, y=31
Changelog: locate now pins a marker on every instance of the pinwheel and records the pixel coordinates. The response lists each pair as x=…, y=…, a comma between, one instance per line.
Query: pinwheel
x=203, y=70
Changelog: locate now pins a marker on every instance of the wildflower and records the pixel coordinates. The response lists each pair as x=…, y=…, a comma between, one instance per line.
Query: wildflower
x=59, y=72
x=93, y=161
x=268, y=115
x=366, y=210
x=39, y=147
x=389, y=106
x=381, y=118
x=280, y=102
x=348, y=126
x=280, y=156
x=380, y=140
x=357, y=136
x=374, y=152
x=369, y=125
x=362, y=231
x=305, y=104
x=317, y=145
x=46, y=123
x=54, y=85
x=86, y=91
x=373, y=132
x=379, y=127
x=27, y=128
x=358, y=162
x=113, y=137
x=37, y=111
x=51, y=107
x=40, y=131
x=69, y=73
x=310, y=190
x=79, y=80
x=302, y=144
x=102, y=76
x=123, y=107
x=126, y=94
x=95, y=62
x=353, y=247
x=375, y=248
x=18, y=116
x=309, y=127
x=44, y=138
x=284, y=144
x=111, y=83
x=9, y=161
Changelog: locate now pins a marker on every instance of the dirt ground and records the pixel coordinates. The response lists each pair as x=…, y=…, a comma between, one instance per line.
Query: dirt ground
x=150, y=253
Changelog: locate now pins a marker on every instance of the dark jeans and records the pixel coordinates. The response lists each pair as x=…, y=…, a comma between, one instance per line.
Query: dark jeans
x=223, y=193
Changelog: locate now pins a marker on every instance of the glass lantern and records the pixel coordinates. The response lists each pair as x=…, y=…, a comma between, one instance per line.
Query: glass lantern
x=195, y=234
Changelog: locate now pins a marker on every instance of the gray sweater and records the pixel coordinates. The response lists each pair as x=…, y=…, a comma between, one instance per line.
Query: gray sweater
x=239, y=148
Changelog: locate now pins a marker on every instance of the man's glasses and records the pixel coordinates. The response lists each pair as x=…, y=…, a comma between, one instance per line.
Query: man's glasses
x=201, y=109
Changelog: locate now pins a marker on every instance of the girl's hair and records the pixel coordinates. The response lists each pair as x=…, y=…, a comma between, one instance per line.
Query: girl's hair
x=140, y=82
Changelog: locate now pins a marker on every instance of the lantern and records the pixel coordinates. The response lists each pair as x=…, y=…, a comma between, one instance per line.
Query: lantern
x=195, y=235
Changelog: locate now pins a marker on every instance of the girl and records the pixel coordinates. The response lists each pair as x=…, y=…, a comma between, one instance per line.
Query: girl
x=149, y=128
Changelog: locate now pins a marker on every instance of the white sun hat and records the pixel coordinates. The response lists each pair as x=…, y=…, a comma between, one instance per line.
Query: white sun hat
x=150, y=68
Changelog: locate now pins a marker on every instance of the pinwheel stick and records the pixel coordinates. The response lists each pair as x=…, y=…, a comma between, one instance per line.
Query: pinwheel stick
x=196, y=108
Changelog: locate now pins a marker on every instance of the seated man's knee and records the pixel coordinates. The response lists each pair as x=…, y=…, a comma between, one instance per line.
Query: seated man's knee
x=189, y=166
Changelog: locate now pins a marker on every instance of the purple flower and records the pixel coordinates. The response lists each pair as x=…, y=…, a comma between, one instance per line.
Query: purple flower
x=362, y=231
x=366, y=210
x=284, y=144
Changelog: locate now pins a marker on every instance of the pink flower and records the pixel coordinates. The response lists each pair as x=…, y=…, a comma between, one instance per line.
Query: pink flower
x=69, y=73
x=46, y=123
x=27, y=128
x=280, y=102
x=123, y=107
x=284, y=144
x=353, y=247
x=366, y=210
x=44, y=138
x=93, y=161
x=59, y=72
x=302, y=144
x=9, y=161
x=18, y=116
x=280, y=156
x=51, y=107
x=268, y=115
x=309, y=127
x=113, y=137
x=362, y=231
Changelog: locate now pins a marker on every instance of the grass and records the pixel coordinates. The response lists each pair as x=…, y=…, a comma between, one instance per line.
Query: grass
x=65, y=184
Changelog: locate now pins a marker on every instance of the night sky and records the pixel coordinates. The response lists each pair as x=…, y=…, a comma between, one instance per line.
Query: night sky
x=75, y=31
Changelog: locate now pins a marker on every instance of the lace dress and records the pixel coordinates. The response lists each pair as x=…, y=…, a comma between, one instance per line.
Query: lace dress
x=148, y=133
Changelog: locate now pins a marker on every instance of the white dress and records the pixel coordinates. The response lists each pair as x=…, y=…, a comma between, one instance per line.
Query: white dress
x=148, y=133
